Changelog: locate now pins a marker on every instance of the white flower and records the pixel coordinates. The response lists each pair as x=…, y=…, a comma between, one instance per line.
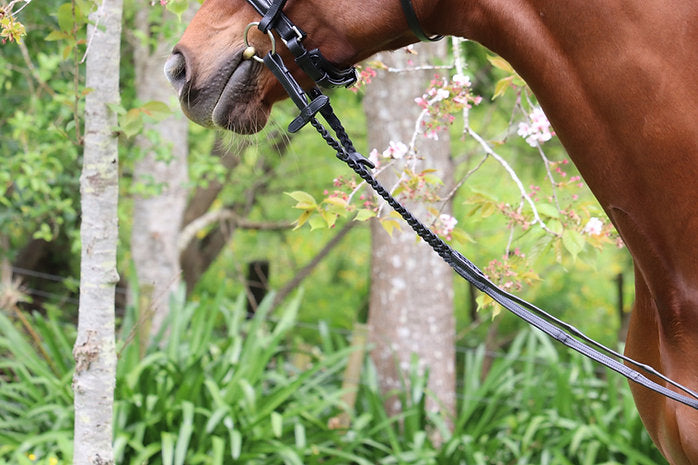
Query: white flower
x=395, y=150
x=461, y=79
x=441, y=94
x=593, y=227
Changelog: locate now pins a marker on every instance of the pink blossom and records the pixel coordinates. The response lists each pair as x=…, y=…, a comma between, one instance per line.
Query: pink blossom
x=537, y=130
x=422, y=102
x=444, y=225
x=395, y=150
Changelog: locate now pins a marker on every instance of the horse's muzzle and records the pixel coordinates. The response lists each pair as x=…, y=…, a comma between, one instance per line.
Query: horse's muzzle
x=176, y=71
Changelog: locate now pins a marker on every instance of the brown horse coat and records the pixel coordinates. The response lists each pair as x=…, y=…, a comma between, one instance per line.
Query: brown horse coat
x=618, y=80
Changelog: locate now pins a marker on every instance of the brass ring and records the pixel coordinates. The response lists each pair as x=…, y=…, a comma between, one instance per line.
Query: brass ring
x=247, y=43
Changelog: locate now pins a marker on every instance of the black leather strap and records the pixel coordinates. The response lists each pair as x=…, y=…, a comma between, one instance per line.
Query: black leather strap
x=414, y=24
x=269, y=18
x=312, y=62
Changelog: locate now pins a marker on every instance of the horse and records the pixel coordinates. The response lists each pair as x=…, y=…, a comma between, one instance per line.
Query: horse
x=618, y=82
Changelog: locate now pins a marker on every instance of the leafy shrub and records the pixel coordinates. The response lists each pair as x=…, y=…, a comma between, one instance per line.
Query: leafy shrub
x=536, y=405
x=36, y=410
x=222, y=389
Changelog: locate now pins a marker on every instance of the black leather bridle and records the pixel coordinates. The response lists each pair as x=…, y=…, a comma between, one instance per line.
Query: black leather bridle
x=327, y=75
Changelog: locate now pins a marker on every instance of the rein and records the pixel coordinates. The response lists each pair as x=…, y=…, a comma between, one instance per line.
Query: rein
x=327, y=75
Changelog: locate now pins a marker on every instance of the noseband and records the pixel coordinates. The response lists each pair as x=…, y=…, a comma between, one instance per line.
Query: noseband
x=327, y=75
x=312, y=62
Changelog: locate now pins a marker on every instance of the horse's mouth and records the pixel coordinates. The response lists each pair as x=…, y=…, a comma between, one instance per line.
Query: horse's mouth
x=228, y=99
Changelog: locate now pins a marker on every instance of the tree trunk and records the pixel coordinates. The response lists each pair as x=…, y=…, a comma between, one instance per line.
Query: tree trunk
x=157, y=218
x=411, y=303
x=94, y=351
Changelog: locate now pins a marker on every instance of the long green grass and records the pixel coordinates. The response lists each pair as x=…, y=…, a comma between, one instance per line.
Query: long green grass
x=216, y=388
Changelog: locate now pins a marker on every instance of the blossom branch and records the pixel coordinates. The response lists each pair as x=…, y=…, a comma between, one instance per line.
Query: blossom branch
x=512, y=174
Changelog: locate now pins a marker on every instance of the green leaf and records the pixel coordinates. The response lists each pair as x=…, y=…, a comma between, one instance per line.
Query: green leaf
x=573, y=242
x=364, y=214
x=56, y=35
x=235, y=444
x=116, y=108
x=303, y=218
x=548, y=210
x=501, y=87
x=167, y=442
x=390, y=225
x=305, y=200
x=277, y=424
x=329, y=219
x=156, y=109
x=299, y=433
x=217, y=453
x=178, y=7
x=555, y=226
x=65, y=17
x=500, y=63
x=318, y=222
x=336, y=201
x=185, y=432
x=462, y=237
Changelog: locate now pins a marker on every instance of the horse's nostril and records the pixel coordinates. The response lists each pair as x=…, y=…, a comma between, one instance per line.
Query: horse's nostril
x=176, y=70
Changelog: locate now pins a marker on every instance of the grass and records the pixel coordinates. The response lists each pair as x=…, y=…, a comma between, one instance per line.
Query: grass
x=221, y=389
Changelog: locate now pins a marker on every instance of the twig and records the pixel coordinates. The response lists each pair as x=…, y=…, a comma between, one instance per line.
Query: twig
x=463, y=180
x=10, y=6
x=417, y=68
x=76, y=77
x=216, y=216
x=95, y=29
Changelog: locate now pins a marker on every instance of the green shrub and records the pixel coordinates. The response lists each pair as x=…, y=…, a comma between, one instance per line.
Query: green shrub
x=36, y=410
x=221, y=389
x=538, y=404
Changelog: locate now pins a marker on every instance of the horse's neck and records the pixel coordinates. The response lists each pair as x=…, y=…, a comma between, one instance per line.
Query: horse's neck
x=618, y=82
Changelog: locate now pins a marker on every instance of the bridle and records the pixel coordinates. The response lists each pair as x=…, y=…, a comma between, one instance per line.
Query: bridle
x=310, y=104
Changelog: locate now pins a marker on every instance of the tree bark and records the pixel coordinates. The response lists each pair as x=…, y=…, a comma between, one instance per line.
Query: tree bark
x=411, y=302
x=200, y=253
x=157, y=218
x=94, y=351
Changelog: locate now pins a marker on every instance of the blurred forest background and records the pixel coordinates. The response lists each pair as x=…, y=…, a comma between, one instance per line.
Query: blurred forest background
x=210, y=222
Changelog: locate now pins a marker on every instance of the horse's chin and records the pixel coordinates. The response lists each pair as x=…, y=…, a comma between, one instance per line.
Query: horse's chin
x=239, y=107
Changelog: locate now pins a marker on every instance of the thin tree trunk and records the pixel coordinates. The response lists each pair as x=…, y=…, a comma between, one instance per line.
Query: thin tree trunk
x=157, y=218
x=411, y=303
x=94, y=351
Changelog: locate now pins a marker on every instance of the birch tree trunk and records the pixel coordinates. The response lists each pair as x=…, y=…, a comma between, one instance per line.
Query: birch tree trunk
x=94, y=351
x=157, y=218
x=411, y=302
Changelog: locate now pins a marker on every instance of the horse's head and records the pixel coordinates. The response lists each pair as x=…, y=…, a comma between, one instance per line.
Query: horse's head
x=218, y=87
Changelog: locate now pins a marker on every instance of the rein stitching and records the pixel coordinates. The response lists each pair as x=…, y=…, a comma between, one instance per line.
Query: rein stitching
x=327, y=75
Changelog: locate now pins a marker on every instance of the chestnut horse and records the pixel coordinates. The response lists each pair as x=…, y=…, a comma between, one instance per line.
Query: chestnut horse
x=618, y=80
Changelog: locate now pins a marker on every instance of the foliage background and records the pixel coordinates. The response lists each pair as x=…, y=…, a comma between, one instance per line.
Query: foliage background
x=580, y=417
